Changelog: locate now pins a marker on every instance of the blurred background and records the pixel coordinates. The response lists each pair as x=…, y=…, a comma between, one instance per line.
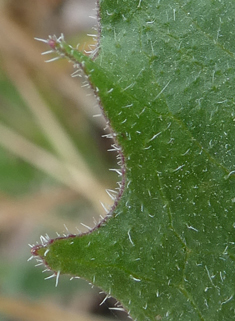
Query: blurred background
x=54, y=164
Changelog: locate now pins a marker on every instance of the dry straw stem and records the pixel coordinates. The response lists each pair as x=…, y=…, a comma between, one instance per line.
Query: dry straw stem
x=45, y=161
x=55, y=133
x=27, y=50
x=35, y=207
x=28, y=311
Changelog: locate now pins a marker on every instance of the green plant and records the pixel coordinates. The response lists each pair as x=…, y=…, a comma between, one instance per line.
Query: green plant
x=164, y=77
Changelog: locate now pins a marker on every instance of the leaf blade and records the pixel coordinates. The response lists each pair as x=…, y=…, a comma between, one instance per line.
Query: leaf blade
x=164, y=77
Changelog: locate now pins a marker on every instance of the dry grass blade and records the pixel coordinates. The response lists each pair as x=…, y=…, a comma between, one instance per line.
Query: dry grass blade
x=16, y=40
x=28, y=311
x=50, y=126
x=34, y=207
x=45, y=161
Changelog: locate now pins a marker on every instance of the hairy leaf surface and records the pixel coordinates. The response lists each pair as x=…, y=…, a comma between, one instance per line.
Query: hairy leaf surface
x=165, y=79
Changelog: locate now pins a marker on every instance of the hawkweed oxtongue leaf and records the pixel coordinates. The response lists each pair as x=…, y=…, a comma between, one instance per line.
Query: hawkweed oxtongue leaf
x=164, y=77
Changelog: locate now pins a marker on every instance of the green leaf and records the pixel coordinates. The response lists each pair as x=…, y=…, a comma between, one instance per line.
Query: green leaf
x=165, y=78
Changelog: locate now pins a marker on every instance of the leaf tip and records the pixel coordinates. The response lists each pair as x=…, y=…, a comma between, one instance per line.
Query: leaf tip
x=39, y=250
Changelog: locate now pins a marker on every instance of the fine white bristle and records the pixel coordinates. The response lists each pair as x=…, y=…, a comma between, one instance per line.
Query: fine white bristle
x=47, y=237
x=50, y=276
x=67, y=230
x=42, y=40
x=117, y=309
x=57, y=278
x=116, y=170
x=106, y=297
x=89, y=228
x=45, y=254
x=53, y=59
x=110, y=194
x=47, y=52
x=43, y=240
x=104, y=207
